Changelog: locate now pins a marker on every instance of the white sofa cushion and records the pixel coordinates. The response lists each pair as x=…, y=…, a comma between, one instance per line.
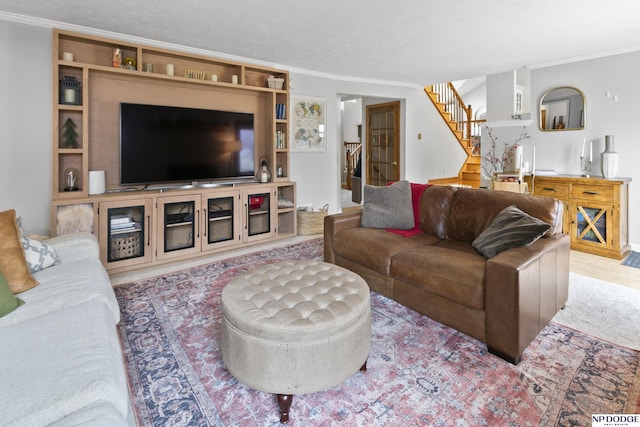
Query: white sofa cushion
x=64, y=285
x=61, y=362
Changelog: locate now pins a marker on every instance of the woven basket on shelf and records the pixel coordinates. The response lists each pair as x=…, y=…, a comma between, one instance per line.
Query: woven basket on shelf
x=126, y=245
x=311, y=222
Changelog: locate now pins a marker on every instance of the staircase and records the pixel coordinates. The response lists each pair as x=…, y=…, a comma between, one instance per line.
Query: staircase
x=459, y=118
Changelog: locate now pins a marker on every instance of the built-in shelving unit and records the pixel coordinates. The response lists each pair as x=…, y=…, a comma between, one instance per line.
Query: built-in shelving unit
x=90, y=82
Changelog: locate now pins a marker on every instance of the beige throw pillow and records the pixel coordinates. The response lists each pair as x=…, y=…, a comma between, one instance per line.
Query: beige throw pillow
x=12, y=260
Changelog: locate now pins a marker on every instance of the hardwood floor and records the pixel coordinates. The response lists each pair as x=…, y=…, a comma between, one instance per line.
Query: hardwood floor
x=604, y=268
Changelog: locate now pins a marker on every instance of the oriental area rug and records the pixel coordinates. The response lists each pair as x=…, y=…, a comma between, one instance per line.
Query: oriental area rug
x=420, y=372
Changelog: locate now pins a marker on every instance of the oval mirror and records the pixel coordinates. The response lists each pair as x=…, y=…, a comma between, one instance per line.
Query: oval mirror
x=562, y=108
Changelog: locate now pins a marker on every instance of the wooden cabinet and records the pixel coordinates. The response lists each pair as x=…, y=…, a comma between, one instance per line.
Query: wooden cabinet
x=142, y=228
x=596, y=211
x=88, y=89
x=197, y=223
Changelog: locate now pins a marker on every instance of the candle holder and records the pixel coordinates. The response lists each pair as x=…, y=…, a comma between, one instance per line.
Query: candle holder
x=585, y=167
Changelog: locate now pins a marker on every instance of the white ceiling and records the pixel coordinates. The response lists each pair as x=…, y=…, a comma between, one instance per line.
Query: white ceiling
x=407, y=41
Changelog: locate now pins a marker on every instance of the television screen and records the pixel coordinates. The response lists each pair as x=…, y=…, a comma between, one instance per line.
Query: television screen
x=162, y=144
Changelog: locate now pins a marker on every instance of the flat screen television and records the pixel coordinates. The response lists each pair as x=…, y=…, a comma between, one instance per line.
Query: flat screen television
x=163, y=144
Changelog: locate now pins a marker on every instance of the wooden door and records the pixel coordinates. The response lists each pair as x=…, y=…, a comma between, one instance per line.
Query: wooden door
x=383, y=143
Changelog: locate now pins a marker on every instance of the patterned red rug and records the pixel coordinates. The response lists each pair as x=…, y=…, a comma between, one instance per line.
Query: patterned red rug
x=420, y=373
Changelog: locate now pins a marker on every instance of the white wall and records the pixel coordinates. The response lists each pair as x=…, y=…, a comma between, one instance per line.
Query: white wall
x=25, y=123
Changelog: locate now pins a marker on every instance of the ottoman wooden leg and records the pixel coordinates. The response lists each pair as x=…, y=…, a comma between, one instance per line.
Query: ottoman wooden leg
x=284, y=403
x=363, y=368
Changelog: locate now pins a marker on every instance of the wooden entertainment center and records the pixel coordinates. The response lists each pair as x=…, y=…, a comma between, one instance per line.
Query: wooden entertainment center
x=139, y=226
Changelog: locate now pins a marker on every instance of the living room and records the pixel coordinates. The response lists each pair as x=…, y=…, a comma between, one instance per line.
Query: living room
x=608, y=83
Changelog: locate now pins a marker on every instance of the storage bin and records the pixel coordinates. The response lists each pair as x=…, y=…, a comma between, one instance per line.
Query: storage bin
x=312, y=222
x=126, y=245
x=275, y=83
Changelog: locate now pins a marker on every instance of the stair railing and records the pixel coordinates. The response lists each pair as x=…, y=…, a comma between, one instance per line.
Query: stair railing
x=460, y=113
x=352, y=154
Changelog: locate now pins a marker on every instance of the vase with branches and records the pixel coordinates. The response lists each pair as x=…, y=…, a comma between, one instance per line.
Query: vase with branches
x=495, y=161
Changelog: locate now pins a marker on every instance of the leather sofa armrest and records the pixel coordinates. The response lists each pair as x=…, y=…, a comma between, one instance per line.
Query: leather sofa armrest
x=524, y=288
x=334, y=224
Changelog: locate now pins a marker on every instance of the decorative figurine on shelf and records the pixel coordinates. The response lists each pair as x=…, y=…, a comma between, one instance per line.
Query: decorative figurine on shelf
x=71, y=180
x=116, y=57
x=129, y=63
x=263, y=174
x=70, y=136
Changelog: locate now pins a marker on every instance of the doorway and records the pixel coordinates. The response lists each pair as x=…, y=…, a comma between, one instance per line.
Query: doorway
x=383, y=143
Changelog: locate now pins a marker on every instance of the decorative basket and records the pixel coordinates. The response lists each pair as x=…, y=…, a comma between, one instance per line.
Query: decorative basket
x=275, y=83
x=126, y=245
x=312, y=222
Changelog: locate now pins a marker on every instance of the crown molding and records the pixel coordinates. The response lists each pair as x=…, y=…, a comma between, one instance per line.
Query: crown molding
x=603, y=54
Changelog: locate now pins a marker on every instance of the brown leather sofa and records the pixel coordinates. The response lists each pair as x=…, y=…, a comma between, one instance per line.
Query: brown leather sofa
x=504, y=301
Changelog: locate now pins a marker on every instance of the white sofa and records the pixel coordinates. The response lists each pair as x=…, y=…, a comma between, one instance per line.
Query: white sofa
x=60, y=359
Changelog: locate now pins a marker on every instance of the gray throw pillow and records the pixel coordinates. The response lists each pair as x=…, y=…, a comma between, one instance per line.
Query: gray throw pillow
x=388, y=207
x=511, y=228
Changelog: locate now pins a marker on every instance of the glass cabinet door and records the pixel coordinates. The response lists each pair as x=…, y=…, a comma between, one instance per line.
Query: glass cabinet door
x=178, y=226
x=221, y=220
x=125, y=236
x=126, y=233
x=221, y=225
x=259, y=213
x=178, y=220
x=258, y=207
x=591, y=224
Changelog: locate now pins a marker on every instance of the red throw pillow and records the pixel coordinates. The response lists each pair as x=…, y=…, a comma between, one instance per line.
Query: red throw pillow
x=416, y=193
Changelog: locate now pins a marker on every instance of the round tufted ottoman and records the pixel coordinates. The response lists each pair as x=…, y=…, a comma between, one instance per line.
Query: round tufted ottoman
x=295, y=327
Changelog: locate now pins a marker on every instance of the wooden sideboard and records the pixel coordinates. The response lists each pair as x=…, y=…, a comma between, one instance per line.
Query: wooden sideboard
x=596, y=211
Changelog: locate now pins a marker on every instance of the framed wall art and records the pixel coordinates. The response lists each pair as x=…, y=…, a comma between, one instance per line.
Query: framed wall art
x=308, y=124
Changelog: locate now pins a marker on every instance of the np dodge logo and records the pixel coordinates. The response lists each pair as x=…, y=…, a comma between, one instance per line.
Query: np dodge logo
x=610, y=420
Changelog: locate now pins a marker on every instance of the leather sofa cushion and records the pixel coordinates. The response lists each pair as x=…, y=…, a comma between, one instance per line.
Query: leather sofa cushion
x=457, y=275
x=435, y=205
x=373, y=248
x=472, y=211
